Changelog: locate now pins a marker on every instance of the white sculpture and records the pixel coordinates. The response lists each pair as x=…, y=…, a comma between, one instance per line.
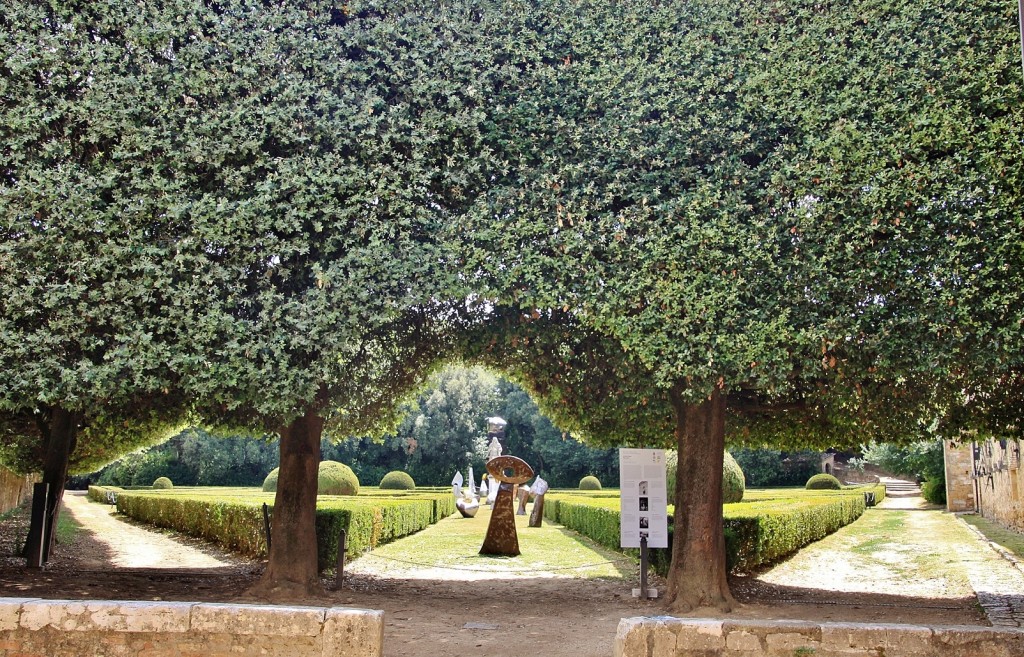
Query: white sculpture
x=494, y=449
x=457, y=485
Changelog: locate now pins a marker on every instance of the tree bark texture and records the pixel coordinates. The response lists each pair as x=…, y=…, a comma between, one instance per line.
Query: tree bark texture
x=697, y=575
x=59, y=432
x=292, y=565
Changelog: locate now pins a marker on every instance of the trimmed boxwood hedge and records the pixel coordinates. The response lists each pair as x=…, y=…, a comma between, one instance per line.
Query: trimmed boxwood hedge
x=823, y=482
x=235, y=519
x=757, y=533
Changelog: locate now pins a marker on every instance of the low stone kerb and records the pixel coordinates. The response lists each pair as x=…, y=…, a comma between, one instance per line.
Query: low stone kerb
x=644, y=637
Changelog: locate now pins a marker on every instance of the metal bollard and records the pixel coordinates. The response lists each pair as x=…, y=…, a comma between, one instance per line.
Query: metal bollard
x=340, y=572
x=643, y=568
x=266, y=525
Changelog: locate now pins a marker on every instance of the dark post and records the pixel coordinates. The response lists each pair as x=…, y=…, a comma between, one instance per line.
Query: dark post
x=37, y=539
x=266, y=524
x=342, y=547
x=643, y=567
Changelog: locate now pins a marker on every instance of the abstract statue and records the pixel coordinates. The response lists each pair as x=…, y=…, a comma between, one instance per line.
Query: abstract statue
x=501, y=536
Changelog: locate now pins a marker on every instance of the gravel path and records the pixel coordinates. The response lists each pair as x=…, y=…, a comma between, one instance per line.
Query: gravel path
x=134, y=546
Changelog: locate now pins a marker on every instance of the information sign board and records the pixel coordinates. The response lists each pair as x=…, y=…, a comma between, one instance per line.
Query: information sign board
x=644, y=499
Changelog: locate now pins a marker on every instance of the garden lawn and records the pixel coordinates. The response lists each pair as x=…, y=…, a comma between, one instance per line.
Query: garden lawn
x=453, y=545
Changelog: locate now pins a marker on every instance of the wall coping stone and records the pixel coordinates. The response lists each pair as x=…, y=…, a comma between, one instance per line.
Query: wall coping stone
x=334, y=630
x=666, y=636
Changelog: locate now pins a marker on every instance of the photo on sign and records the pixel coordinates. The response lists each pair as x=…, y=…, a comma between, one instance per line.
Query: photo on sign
x=644, y=535
x=644, y=522
x=643, y=488
x=643, y=504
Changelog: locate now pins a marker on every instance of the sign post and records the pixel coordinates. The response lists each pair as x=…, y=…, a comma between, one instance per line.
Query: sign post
x=644, y=506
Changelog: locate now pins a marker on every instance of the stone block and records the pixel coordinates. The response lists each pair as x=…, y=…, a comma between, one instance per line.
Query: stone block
x=741, y=640
x=987, y=641
x=258, y=619
x=788, y=643
x=353, y=633
x=10, y=612
x=909, y=640
x=665, y=637
x=106, y=616
x=858, y=636
x=630, y=638
x=699, y=634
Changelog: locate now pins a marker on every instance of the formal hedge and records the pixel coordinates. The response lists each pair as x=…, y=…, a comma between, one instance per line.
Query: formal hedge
x=770, y=526
x=233, y=518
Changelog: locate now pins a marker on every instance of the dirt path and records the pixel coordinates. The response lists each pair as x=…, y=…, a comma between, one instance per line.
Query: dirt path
x=133, y=546
x=900, y=563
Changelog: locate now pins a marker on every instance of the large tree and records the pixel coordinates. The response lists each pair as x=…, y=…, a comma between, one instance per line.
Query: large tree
x=806, y=213
x=320, y=147
x=85, y=321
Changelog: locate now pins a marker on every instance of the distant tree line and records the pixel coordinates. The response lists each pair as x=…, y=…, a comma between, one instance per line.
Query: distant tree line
x=443, y=430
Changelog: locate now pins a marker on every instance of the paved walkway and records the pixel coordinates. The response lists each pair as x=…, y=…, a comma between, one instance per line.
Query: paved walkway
x=997, y=582
x=1000, y=586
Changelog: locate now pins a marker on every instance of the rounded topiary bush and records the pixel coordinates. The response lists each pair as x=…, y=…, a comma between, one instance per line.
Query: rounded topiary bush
x=397, y=480
x=590, y=482
x=823, y=482
x=334, y=479
x=733, y=480
x=163, y=482
x=270, y=483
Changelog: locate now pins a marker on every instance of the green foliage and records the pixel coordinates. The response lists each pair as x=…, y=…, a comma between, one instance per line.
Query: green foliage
x=234, y=519
x=923, y=459
x=336, y=479
x=590, y=482
x=397, y=480
x=732, y=480
x=823, y=481
x=333, y=479
x=443, y=430
x=771, y=467
x=732, y=477
x=195, y=457
x=162, y=483
x=758, y=532
x=934, y=491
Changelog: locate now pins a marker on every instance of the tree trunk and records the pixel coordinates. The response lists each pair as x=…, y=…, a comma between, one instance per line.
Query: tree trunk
x=697, y=575
x=292, y=567
x=59, y=432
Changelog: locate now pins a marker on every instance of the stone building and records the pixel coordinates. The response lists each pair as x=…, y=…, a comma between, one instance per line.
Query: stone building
x=986, y=477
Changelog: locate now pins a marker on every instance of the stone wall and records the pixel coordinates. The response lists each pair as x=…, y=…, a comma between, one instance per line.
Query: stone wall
x=986, y=477
x=99, y=628
x=674, y=637
x=959, y=477
x=14, y=489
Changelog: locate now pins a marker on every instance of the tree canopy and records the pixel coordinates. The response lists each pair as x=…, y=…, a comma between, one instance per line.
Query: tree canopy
x=802, y=213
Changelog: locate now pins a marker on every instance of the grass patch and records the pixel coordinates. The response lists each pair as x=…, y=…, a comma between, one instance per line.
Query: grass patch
x=1010, y=540
x=550, y=550
x=67, y=528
